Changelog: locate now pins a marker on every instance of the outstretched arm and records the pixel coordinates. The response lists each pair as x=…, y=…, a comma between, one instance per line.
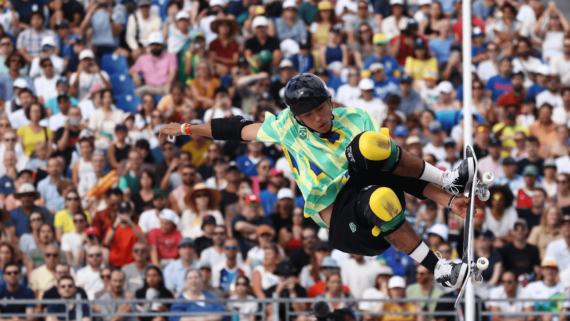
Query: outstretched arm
x=248, y=133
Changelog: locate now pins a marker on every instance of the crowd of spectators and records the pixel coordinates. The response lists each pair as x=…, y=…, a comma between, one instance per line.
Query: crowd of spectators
x=95, y=205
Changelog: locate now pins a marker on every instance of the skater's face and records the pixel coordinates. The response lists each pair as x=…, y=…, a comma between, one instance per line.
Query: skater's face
x=319, y=119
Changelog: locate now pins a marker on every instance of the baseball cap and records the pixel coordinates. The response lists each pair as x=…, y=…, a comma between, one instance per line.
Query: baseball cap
x=285, y=63
x=566, y=218
x=435, y=126
x=439, y=229
x=329, y=262
x=401, y=131
x=420, y=44
x=208, y=219
x=159, y=193
x=530, y=169
x=204, y=265
x=406, y=79
x=20, y=83
x=48, y=41
x=550, y=162
x=144, y=3
x=186, y=242
x=259, y=21
x=156, y=37
x=396, y=282
x=412, y=23
x=124, y=207
x=285, y=193
x=543, y=70
x=395, y=2
x=522, y=222
x=61, y=24
x=379, y=39
x=366, y=84
x=285, y=269
x=170, y=215
x=477, y=32
x=431, y=75
x=325, y=5
x=264, y=96
x=276, y=171
x=289, y=4
x=304, y=44
x=263, y=229
x=375, y=66
x=494, y=141
x=424, y=2
x=182, y=15
x=518, y=72
x=549, y=262
x=509, y=161
x=336, y=28
x=232, y=166
x=385, y=270
x=86, y=53
x=321, y=71
x=214, y=3
x=86, y=132
x=449, y=141
x=62, y=82
x=92, y=230
x=413, y=140
x=121, y=126
x=486, y=234
x=528, y=99
x=445, y=87
x=252, y=199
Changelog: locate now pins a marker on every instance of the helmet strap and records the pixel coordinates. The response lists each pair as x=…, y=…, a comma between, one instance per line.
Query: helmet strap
x=314, y=131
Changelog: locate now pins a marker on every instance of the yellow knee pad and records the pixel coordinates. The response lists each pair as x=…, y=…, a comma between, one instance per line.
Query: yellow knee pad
x=386, y=206
x=375, y=146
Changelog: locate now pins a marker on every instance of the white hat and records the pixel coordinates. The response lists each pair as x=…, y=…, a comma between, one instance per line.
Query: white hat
x=543, y=70
x=289, y=48
x=285, y=193
x=424, y=2
x=366, y=84
x=439, y=229
x=156, y=37
x=396, y=282
x=289, y=4
x=182, y=15
x=445, y=87
x=259, y=21
x=285, y=63
x=26, y=188
x=48, y=41
x=20, y=83
x=393, y=2
x=169, y=214
x=86, y=53
x=375, y=66
x=214, y=3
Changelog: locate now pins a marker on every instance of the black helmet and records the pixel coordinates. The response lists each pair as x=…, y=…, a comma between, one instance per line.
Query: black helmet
x=305, y=92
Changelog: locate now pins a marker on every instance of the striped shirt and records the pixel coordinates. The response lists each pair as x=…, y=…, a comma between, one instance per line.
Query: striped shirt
x=318, y=164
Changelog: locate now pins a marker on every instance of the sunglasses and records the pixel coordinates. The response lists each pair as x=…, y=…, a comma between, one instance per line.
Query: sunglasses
x=79, y=221
x=242, y=284
x=445, y=251
x=105, y=276
x=230, y=247
x=11, y=272
x=75, y=199
x=51, y=254
x=477, y=87
x=36, y=220
x=67, y=286
x=312, y=236
x=202, y=195
x=140, y=250
x=94, y=255
x=5, y=43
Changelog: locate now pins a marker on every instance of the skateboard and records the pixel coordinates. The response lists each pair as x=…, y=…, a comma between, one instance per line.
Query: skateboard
x=479, y=189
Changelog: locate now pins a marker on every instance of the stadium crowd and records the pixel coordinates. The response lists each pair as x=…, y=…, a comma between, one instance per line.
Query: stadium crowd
x=95, y=205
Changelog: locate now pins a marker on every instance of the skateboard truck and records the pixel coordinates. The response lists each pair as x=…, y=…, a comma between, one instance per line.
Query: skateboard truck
x=482, y=187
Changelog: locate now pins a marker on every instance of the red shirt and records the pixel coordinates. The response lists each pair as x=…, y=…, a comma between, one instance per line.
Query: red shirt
x=509, y=98
x=319, y=288
x=224, y=52
x=405, y=51
x=167, y=245
x=103, y=222
x=457, y=27
x=524, y=200
x=122, y=245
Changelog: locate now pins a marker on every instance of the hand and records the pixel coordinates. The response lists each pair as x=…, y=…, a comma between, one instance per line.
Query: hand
x=173, y=164
x=118, y=221
x=454, y=61
x=126, y=219
x=459, y=205
x=95, y=68
x=290, y=286
x=281, y=285
x=170, y=130
x=83, y=238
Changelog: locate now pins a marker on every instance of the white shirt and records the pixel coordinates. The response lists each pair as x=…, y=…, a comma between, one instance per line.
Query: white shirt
x=538, y=290
x=222, y=113
x=391, y=29
x=502, y=227
x=563, y=164
x=217, y=273
x=349, y=4
x=86, y=81
x=46, y=88
x=57, y=121
x=69, y=242
x=531, y=65
x=359, y=277
x=6, y=21
x=438, y=152
x=347, y=95
x=370, y=293
x=561, y=66
x=87, y=108
x=555, y=100
x=376, y=108
x=191, y=224
x=498, y=293
x=37, y=71
x=90, y=281
x=149, y=220
x=486, y=70
x=176, y=39
x=560, y=116
x=559, y=251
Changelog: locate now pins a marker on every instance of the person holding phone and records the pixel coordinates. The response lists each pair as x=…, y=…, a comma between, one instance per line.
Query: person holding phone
x=122, y=236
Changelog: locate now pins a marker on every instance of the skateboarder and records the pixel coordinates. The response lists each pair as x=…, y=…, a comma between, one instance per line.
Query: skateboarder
x=352, y=175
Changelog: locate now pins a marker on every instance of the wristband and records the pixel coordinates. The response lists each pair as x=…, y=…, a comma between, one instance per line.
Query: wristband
x=185, y=129
x=451, y=202
x=182, y=129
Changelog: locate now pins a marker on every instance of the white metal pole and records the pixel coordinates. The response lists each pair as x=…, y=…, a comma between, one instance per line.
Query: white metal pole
x=467, y=127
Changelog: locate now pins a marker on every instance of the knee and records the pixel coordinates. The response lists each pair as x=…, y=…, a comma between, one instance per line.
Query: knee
x=374, y=151
x=375, y=146
x=385, y=211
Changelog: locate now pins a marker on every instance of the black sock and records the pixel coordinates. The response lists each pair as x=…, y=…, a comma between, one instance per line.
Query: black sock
x=424, y=256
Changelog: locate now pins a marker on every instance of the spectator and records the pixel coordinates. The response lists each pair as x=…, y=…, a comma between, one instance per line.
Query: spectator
x=500, y=83
x=270, y=196
x=32, y=133
x=544, y=129
x=222, y=107
x=548, y=287
x=43, y=278
x=436, y=147
x=549, y=228
x=119, y=149
x=262, y=180
x=48, y=50
x=226, y=272
x=64, y=219
x=531, y=147
x=391, y=66
x=28, y=240
x=201, y=201
x=215, y=253
x=242, y=292
x=88, y=72
x=265, y=235
x=193, y=280
x=129, y=183
x=140, y=26
x=117, y=292
x=511, y=179
x=10, y=82
x=178, y=32
x=167, y=166
x=67, y=290
x=206, y=271
x=247, y=225
x=89, y=238
x=424, y=288
x=359, y=274
x=363, y=17
x=334, y=290
x=509, y=289
x=47, y=187
x=311, y=273
x=348, y=94
x=177, y=197
x=492, y=162
x=89, y=277
x=122, y=235
x=261, y=41
x=302, y=257
x=374, y=106
x=558, y=148
x=134, y=273
x=553, y=95
x=263, y=276
x=153, y=289
x=105, y=24
x=519, y=256
x=176, y=270
x=149, y=219
x=524, y=196
x=533, y=215
x=18, y=223
x=30, y=40
x=163, y=240
x=334, y=55
x=58, y=120
x=46, y=84
x=70, y=239
x=420, y=62
x=289, y=26
x=61, y=270
x=68, y=135
x=287, y=287
x=500, y=216
x=11, y=289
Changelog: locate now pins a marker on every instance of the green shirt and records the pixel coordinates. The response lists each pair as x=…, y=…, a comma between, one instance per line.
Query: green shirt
x=414, y=292
x=319, y=165
x=308, y=12
x=129, y=181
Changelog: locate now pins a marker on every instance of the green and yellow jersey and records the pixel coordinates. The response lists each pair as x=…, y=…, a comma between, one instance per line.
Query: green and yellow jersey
x=318, y=164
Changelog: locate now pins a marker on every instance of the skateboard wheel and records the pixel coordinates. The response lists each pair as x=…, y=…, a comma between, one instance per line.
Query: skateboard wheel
x=485, y=196
x=476, y=282
x=482, y=263
x=488, y=178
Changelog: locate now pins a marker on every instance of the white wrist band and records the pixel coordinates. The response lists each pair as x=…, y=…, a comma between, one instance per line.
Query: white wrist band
x=182, y=129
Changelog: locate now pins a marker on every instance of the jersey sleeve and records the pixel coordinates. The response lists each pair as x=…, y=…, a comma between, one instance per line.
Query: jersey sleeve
x=370, y=124
x=269, y=131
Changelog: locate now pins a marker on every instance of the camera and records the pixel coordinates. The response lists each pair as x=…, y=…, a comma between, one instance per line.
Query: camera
x=323, y=313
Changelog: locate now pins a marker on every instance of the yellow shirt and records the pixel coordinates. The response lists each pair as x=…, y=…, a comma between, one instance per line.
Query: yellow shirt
x=417, y=68
x=42, y=280
x=198, y=154
x=64, y=219
x=406, y=307
x=30, y=139
x=508, y=135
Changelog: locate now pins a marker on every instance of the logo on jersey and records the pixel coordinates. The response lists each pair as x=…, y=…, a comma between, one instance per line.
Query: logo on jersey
x=349, y=154
x=352, y=227
x=303, y=132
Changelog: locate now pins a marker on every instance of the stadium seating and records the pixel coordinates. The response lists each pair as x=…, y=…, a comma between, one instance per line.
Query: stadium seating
x=115, y=64
x=128, y=103
x=122, y=85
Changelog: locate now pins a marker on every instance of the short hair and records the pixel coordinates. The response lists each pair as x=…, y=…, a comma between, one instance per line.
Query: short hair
x=189, y=166
x=66, y=277
x=565, y=89
x=87, y=139
x=143, y=143
x=393, y=99
x=118, y=271
x=532, y=140
x=222, y=226
x=246, y=180
x=525, y=40
x=193, y=270
x=220, y=89
x=63, y=185
x=114, y=191
x=177, y=84
x=43, y=113
x=80, y=213
x=185, y=152
x=542, y=190
x=102, y=92
x=12, y=263
x=546, y=105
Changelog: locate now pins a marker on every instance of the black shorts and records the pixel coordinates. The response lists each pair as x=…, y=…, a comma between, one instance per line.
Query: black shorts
x=350, y=231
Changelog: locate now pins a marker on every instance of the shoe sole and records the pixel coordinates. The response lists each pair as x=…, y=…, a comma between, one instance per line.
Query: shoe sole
x=461, y=277
x=471, y=168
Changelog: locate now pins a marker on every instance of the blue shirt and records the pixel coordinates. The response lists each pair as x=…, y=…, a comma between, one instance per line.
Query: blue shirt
x=52, y=103
x=268, y=201
x=515, y=184
x=448, y=6
x=6, y=185
x=49, y=192
x=174, y=274
x=303, y=63
x=475, y=51
x=385, y=87
x=499, y=86
x=247, y=167
x=21, y=221
x=298, y=32
x=60, y=308
x=397, y=260
x=191, y=306
x=441, y=49
x=482, y=11
x=22, y=292
x=391, y=66
x=534, y=90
